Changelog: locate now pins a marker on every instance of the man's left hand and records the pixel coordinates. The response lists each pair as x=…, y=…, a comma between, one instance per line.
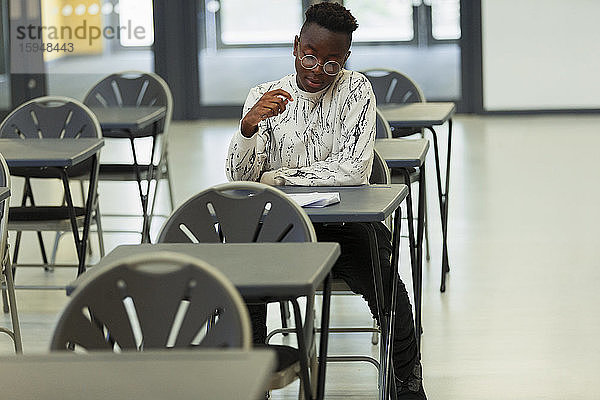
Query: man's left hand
x=270, y=179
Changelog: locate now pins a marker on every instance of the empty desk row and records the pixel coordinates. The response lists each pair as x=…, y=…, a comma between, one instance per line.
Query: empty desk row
x=269, y=273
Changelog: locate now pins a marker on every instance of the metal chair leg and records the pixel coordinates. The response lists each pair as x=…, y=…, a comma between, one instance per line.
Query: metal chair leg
x=160, y=175
x=284, y=309
x=17, y=246
x=5, y=307
x=55, y=247
x=15, y=334
x=28, y=193
x=425, y=224
x=43, y=250
x=375, y=335
x=99, y=231
x=89, y=244
x=168, y=178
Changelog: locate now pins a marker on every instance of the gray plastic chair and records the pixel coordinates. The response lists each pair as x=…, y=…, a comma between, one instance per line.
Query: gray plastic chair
x=135, y=89
x=50, y=117
x=246, y=212
x=151, y=301
x=380, y=173
x=382, y=126
x=392, y=86
x=238, y=212
x=9, y=299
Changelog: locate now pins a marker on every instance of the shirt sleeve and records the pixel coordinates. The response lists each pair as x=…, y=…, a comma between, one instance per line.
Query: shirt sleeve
x=246, y=156
x=352, y=162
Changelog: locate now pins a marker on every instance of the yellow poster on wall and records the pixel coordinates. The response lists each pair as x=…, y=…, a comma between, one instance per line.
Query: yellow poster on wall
x=70, y=28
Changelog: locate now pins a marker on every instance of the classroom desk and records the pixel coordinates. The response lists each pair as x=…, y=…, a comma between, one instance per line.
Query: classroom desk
x=124, y=122
x=427, y=115
x=148, y=375
x=131, y=123
x=56, y=156
x=404, y=154
x=46, y=153
x=368, y=203
x=256, y=270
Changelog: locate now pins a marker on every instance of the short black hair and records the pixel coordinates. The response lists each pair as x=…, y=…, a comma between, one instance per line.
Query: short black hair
x=331, y=16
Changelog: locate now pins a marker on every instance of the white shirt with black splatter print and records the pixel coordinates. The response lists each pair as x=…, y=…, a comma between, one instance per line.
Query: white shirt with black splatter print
x=321, y=139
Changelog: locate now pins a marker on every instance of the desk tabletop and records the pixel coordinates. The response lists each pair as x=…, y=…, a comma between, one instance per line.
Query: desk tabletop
x=128, y=118
x=4, y=193
x=367, y=203
x=148, y=375
x=403, y=153
x=257, y=270
x=48, y=152
x=414, y=115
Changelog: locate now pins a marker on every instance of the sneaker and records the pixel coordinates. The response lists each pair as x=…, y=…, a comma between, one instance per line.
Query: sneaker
x=411, y=388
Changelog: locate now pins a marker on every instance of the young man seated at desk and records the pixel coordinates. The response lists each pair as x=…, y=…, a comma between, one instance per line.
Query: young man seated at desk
x=317, y=128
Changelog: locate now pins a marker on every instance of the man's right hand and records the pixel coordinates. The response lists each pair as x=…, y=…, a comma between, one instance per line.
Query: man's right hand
x=270, y=104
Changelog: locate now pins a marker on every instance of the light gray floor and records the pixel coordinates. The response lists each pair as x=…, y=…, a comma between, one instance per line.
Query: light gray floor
x=518, y=319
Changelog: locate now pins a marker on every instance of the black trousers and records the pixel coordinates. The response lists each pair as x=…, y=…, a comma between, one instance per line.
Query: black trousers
x=354, y=267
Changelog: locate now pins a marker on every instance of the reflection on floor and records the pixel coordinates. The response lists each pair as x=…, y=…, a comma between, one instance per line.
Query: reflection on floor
x=518, y=318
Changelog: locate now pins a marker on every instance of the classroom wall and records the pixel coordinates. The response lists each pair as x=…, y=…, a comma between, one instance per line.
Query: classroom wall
x=540, y=54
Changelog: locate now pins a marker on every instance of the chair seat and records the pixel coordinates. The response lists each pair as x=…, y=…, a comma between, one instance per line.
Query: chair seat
x=126, y=172
x=286, y=355
x=81, y=170
x=126, y=134
x=398, y=175
x=43, y=213
x=288, y=365
x=404, y=131
x=338, y=287
x=43, y=218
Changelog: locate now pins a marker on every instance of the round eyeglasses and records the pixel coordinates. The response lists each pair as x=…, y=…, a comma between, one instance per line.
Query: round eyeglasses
x=331, y=67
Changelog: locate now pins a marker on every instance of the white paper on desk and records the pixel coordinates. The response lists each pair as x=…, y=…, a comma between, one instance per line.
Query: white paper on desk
x=315, y=199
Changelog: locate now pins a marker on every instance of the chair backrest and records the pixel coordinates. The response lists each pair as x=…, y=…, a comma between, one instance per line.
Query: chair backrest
x=132, y=89
x=383, y=129
x=380, y=173
x=238, y=212
x=392, y=86
x=151, y=301
x=51, y=117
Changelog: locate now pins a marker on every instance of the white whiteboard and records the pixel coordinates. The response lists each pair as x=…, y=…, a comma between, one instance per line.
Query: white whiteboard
x=540, y=54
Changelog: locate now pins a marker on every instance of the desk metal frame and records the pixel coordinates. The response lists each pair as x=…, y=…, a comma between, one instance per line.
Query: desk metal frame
x=427, y=115
x=133, y=120
x=348, y=210
x=277, y=289
x=405, y=160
